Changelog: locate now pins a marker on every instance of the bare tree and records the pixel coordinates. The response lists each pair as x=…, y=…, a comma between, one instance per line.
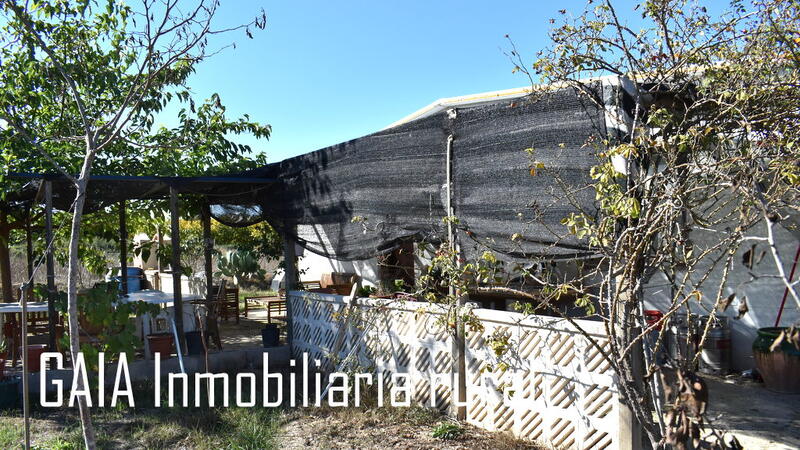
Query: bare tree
x=710, y=147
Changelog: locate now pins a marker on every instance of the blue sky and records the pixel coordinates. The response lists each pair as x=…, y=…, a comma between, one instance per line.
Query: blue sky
x=323, y=72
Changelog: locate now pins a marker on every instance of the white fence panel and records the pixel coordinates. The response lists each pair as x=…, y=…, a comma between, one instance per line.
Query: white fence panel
x=559, y=390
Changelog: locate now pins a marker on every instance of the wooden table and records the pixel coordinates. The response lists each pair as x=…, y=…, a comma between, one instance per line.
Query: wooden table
x=155, y=297
x=16, y=307
x=275, y=305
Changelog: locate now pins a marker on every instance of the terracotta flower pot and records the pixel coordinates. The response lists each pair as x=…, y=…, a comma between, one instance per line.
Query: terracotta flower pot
x=162, y=343
x=34, y=352
x=780, y=368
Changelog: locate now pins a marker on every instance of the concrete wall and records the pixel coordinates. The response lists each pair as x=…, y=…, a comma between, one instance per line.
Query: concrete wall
x=194, y=285
x=312, y=266
x=763, y=293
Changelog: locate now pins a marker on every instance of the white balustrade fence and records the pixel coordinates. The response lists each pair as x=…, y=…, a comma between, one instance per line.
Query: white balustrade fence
x=551, y=386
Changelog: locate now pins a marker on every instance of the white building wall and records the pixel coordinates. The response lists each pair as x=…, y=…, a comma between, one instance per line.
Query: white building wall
x=312, y=266
x=763, y=293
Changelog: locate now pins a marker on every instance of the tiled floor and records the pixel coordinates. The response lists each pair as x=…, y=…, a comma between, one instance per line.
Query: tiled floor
x=247, y=333
x=758, y=417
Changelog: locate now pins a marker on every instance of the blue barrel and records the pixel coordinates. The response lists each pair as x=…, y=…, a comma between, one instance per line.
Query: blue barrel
x=135, y=277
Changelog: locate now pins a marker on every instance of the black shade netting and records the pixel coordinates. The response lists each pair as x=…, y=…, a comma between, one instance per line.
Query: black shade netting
x=363, y=197
x=512, y=200
x=359, y=198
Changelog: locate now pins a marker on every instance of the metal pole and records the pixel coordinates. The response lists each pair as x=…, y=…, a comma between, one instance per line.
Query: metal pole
x=459, y=344
x=177, y=272
x=159, y=247
x=786, y=291
x=178, y=347
x=123, y=247
x=52, y=318
x=290, y=279
x=25, y=388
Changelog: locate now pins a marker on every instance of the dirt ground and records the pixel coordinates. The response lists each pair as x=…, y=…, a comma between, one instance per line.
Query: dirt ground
x=401, y=428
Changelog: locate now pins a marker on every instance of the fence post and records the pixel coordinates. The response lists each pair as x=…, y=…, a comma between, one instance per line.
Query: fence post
x=630, y=431
x=459, y=357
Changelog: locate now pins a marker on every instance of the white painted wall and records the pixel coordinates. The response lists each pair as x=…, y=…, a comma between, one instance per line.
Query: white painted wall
x=312, y=266
x=194, y=285
x=763, y=294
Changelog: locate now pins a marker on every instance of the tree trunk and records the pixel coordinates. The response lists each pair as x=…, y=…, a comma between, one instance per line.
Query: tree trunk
x=72, y=292
x=5, y=259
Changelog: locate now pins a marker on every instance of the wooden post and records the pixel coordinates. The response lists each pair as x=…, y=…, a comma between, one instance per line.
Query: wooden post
x=29, y=246
x=123, y=247
x=25, y=365
x=290, y=279
x=5, y=265
x=50, y=265
x=177, y=272
x=159, y=247
x=208, y=247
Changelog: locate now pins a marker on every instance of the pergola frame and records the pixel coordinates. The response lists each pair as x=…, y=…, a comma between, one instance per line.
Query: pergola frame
x=174, y=184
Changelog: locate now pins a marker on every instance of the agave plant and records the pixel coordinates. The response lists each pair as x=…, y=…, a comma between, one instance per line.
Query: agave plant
x=240, y=265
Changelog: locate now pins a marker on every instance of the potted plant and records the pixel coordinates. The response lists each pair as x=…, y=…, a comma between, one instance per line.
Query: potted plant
x=162, y=343
x=34, y=356
x=9, y=393
x=194, y=343
x=366, y=291
x=270, y=335
x=777, y=354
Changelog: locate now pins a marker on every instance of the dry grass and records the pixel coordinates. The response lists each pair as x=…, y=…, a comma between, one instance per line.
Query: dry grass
x=146, y=427
x=385, y=427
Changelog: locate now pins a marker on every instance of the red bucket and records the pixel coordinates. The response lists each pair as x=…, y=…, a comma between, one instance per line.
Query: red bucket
x=653, y=316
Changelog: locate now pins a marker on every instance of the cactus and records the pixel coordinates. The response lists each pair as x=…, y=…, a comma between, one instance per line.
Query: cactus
x=240, y=265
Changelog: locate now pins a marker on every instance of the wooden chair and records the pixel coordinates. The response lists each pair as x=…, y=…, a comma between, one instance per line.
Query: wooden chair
x=276, y=310
x=38, y=326
x=38, y=323
x=229, y=306
x=310, y=285
x=212, y=306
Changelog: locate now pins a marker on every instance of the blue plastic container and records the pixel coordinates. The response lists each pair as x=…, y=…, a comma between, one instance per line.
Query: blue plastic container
x=135, y=277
